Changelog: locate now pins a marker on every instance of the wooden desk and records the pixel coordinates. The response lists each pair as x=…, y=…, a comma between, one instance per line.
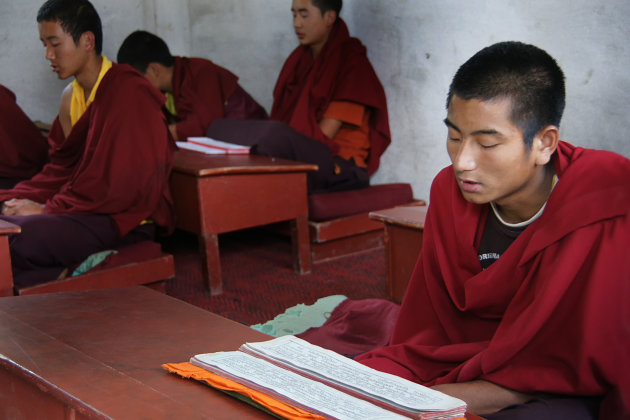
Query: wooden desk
x=222, y=193
x=404, y=226
x=98, y=354
x=6, y=276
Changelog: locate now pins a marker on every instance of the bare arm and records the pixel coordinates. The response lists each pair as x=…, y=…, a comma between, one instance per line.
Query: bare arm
x=330, y=127
x=173, y=129
x=64, y=111
x=483, y=397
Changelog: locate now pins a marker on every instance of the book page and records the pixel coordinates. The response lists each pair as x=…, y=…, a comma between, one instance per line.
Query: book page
x=308, y=394
x=336, y=368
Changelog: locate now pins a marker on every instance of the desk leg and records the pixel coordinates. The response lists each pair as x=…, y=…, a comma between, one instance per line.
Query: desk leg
x=403, y=248
x=301, y=245
x=6, y=275
x=209, y=245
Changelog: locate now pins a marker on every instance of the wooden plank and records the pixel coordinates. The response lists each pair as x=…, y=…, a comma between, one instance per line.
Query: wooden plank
x=348, y=245
x=342, y=227
x=6, y=274
x=410, y=216
x=136, y=273
x=100, y=355
x=199, y=164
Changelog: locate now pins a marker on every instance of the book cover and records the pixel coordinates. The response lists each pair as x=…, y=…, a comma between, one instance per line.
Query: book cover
x=212, y=146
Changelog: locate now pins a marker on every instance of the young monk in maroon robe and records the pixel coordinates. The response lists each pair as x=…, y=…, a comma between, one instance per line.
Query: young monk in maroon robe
x=23, y=148
x=107, y=181
x=329, y=100
x=518, y=304
x=200, y=91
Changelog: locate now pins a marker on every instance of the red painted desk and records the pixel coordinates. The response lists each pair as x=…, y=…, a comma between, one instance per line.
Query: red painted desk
x=222, y=193
x=404, y=226
x=6, y=277
x=98, y=354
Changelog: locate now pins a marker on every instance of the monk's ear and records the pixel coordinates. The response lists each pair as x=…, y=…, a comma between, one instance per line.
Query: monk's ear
x=88, y=40
x=153, y=69
x=330, y=17
x=545, y=144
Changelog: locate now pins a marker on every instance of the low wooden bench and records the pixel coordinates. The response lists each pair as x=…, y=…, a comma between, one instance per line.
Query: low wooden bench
x=340, y=222
x=152, y=272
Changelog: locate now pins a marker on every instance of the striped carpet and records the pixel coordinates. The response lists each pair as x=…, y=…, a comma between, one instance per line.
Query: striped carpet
x=258, y=278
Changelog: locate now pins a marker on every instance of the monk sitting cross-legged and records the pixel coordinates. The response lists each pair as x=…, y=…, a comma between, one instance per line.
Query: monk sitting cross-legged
x=107, y=180
x=329, y=106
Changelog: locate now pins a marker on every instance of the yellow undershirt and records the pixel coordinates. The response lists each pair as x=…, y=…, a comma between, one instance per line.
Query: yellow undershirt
x=170, y=104
x=78, y=104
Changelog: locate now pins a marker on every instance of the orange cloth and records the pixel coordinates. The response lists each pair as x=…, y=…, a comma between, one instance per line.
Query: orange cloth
x=188, y=370
x=353, y=138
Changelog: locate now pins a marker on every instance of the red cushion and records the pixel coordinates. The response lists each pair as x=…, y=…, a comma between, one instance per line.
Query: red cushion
x=329, y=206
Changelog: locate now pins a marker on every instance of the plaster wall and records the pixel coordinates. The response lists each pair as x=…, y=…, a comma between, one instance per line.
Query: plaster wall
x=415, y=46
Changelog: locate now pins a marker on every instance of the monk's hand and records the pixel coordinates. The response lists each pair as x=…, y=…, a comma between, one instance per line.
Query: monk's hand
x=21, y=207
x=483, y=397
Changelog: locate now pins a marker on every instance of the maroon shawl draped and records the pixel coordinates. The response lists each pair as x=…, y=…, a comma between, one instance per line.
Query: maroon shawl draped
x=341, y=72
x=550, y=315
x=23, y=148
x=116, y=160
x=201, y=90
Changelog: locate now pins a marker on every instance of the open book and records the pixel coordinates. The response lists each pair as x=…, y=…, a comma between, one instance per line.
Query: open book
x=212, y=146
x=323, y=382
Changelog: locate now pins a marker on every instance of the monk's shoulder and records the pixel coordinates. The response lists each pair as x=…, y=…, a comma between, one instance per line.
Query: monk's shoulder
x=64, y=109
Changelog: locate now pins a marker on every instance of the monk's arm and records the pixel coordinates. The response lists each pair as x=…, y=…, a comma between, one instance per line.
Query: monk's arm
x=483, y=397
x=330, y=127
x=64, y=111
x=173, y=129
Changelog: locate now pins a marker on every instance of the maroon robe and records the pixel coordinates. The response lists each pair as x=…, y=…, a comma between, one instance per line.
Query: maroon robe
x=551, y=315
x=203, y=91
x=24, y=150
x=116, y=160
x=341, y=72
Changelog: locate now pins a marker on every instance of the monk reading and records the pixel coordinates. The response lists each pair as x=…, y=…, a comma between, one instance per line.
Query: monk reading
x=329, y=104
x=24, y=147
x=518, y=304
x=199, y=91
x=107, y=180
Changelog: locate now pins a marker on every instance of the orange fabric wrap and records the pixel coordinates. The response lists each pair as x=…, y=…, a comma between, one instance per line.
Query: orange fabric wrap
x=188, y=370
x=353, y=138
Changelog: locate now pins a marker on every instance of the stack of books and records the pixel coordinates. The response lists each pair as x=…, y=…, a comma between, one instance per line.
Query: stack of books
x=211, y=146
x=312, y=380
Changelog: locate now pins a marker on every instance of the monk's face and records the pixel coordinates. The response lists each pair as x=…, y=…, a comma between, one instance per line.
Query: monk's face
x=490, y=158
x=65, y=56
x=311, y=27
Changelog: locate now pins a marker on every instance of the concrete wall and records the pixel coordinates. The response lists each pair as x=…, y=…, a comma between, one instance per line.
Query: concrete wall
x=415, y=46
